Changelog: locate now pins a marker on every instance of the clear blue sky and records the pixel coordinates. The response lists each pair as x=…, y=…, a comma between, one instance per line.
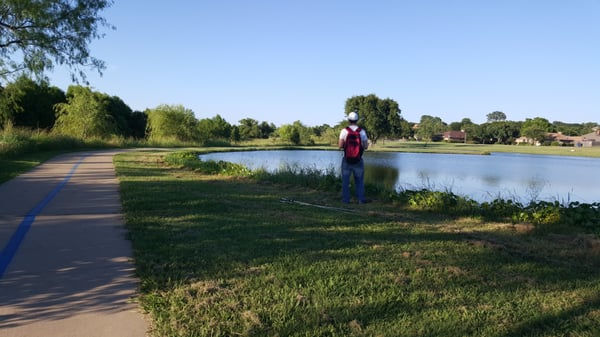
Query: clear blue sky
x=282, y=61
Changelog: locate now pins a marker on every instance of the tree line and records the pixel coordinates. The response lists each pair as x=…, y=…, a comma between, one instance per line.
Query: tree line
x=37, y=35
x=84, y=113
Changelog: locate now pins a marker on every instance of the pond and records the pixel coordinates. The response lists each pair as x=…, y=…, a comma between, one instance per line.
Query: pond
x=520, y=177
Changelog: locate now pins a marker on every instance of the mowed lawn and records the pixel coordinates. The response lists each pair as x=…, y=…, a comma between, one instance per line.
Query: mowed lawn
x=223, y=256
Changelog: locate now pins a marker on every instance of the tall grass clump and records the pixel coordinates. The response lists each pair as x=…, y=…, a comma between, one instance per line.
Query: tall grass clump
x=299, y=176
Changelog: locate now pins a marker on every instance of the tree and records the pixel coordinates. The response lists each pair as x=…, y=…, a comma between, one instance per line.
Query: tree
x=429, y=127
x=249, y=128
x=496, y=116
x=120, y=113
x=214, y=128
x=235, y=134
x=296, y=133
x=172, y=122
x=137, y=122
x=573, y=129
x=536, y=128
x=27, y=103
x=37, y=34
x=380, y=117
x=503, y=132
x=84, y=115
x=266, y=129
x=406, y=131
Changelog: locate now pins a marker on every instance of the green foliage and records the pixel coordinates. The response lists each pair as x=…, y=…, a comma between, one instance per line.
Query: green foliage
x=438, y=201
x=121, y=115
x=216, y=128
x=137, y=122
x=189, y=159
x=429, y=127
x=47, y=32
x=298, y=176
x=496, y=116
x=504, y=132
x=19, y=142
x=27, y=103
x=235, y=134
x=251, y=129
x=296, y=134
x=545, y=213
x=85, y=115
x=501, y=208
x=172, y=122
x=536, y=128
x=380, y=117
x=574, y=129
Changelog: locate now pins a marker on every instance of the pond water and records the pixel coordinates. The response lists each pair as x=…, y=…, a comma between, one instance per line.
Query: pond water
x=520, y=177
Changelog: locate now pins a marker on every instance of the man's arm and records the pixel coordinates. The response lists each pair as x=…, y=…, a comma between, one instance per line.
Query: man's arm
x=342, y=139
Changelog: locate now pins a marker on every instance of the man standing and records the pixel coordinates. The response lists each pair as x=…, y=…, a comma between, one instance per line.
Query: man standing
x=353, y=141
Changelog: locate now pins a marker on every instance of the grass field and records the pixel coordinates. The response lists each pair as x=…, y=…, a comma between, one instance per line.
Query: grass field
x=223, y=256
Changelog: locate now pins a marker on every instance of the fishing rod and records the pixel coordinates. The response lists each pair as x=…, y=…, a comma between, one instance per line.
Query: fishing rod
x=302, y=203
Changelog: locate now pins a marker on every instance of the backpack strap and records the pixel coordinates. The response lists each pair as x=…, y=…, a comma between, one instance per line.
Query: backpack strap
x=349, y=129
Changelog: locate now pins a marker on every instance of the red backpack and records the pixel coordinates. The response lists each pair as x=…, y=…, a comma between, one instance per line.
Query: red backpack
x=353, y=148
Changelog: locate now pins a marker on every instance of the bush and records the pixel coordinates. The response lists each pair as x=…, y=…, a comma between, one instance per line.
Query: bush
x=189, y=159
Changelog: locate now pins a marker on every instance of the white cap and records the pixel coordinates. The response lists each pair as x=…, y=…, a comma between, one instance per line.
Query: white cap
x=353, y=116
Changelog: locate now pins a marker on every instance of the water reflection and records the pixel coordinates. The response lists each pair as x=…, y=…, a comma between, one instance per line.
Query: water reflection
x=482, y=178
x=381, y=175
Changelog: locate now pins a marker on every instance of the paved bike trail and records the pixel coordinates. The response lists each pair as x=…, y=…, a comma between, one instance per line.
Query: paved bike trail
x=66, y=266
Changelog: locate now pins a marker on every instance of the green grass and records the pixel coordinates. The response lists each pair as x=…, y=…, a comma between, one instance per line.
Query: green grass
x=222, y=256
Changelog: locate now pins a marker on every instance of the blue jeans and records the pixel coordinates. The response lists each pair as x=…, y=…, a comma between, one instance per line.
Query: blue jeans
x=358, y=171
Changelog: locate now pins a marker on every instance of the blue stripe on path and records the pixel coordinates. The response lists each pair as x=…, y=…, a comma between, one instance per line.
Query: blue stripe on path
x=9, y=252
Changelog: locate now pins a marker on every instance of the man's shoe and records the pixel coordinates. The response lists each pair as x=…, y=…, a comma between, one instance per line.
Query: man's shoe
x=365, y=201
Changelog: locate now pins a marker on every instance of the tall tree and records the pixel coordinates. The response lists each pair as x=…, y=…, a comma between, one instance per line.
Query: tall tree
x=296, y=133
x=27, y=103
x=119, y=111
x=503, y=132
x=214, y=128
x=289, y=133
x=536, y=128
x=235, y=134
x=496, y=116
x=266, y=129
x=172, y=122
x=84, y=115
x=137, y=122
x=430, y=126
x=249, y=128
x=37, y=34
x=380, y=117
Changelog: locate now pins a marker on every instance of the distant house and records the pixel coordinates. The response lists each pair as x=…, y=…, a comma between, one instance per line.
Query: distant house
x=454, y=136
x=591, y=139
x=523, y=140
x=562, y=139
x=587, y=140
